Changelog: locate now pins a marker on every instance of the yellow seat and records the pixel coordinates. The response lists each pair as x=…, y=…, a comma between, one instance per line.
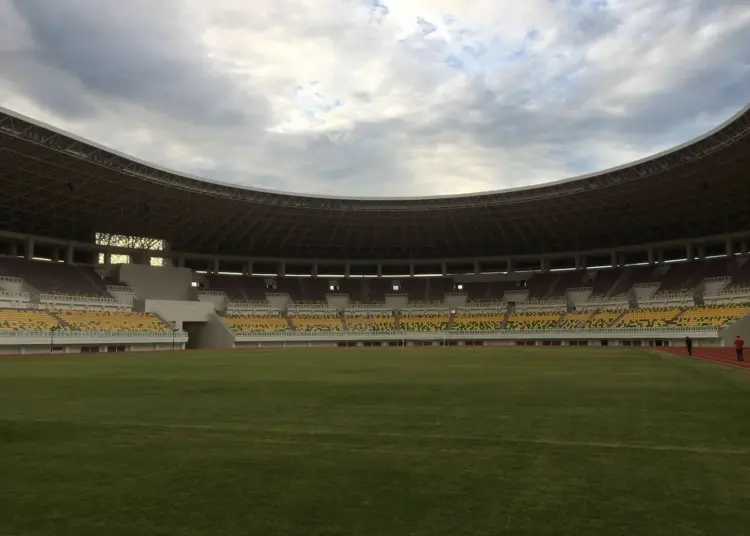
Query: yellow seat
x=425, y=322
x=478, y=321
x=26, y=320
x=118, y=321
x=712, y=315
x=261, y=323
x=321, y=322
x=648, y=317
x=533, y=320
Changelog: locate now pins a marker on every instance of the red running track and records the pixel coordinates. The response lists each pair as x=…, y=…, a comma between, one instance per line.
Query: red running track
x=724, y=356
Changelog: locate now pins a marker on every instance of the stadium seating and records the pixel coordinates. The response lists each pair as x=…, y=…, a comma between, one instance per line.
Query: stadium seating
x=26, y=320
x=119, y=321
x=55, y=277
x=712, y=315
x=603, y=319
x=574, y=320
x=324, y=322
x=527, y=320
x=257, y=324
x=478, y=321
x=414, y=321
x=653, y=317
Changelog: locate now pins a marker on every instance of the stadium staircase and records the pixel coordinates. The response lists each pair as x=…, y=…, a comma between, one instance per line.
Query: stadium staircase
x=505, y=319
x=451, y=318
x=623, y=276
x=552, y=287
x=59, y=319
x=397, y=321
x=618, y=318
x=344, y=325
x=289, y=322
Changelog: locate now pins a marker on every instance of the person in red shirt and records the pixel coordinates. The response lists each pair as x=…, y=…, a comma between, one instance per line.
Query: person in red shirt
x=739, y=345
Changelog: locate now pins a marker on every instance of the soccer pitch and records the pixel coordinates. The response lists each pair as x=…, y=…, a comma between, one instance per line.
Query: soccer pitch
x=381, y=442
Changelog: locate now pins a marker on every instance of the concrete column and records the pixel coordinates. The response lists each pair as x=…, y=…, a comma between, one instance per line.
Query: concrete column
x=347, y=269
x=247, y=268
x=729, y=246
x=509, y=265
x=545, y=265
x=55, y=254
x=282, y=268
x=411, y=269
x=69, y=254
x=613, y=258
x=444, y=268
x=660, y=256
x=651, y=256
x=13, y=249
x=29, y=253
x=380, y=269
x=743, y=248
x=107, y=258
x=477, y=267
x=702, y=253
x=578, y=260
x=689, y=253
x=215, y=268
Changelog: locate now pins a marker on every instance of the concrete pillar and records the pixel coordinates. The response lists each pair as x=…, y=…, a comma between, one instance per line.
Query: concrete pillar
x=314, y=270
x=380, y=269
x=216, y=264
x=444, y=268
x=247, y=268
x=743, y=248
x=13, y=249
x=509, y=265
x=689, y=252
x=477, y=267
x=282, y=268
x=578, y=261
x=69, y=254
x=702, y=253
x=729, y=246
x=651, y=256
x=660, y=256
x=29, y=253
x=55, y=254
x=347, y=269
x=613, y=258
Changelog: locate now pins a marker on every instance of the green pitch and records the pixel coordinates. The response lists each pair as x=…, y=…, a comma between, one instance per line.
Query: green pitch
x=374, y=442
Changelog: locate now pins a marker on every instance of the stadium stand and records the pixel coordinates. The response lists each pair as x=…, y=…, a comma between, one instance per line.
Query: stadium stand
x=55, y=277
x=317, y=323
x=712, y=315
x=651, y=317
x=426, y=322
x=478, y=321
x=257, y=323
x=119, y=321
x=533, y=320
x=604, y=318
x=27, y=320
x=573, y=320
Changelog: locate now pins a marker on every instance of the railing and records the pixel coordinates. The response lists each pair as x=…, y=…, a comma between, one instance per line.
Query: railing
x=75, y=299
x=378, y=306
x=510, y=332
x=119, y=288
x=93, y=334
x=10, y=279
x=248, y=305
x=211, y=293
x=7, y=294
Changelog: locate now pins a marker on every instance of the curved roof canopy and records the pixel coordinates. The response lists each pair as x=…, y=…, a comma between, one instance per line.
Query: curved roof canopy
x=57, y=185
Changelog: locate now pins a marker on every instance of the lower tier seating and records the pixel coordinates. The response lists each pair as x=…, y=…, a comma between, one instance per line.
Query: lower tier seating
x=526, y=320
x=379, y=322
x=424, y=321
x=121, y=321
x=653, y=317
x=26, y=320
x=484, y=321
x=712, y=315
x=603, y=319
x=574, y=320
x=257, y=323
x=323, y=322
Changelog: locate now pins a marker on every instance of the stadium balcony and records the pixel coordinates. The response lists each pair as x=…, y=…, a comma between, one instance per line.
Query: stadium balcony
x=478, y=321
x=111, y=321
x=262, y=323
x=652, y=317
x=238, y=288
x=533, y=320
x=712, y=315
x=424, y=322
x=317, y=323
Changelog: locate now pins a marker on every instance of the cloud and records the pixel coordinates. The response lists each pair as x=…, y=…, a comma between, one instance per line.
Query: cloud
x=378, y=98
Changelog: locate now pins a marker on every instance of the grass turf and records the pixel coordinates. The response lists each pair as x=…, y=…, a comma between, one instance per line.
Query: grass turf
x=374, y=442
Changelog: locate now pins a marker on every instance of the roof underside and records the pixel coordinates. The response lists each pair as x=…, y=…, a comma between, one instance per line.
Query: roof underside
x=54, y=185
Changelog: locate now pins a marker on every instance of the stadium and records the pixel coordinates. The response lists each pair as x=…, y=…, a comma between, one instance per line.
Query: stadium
x=257, y=362
x=106, y=253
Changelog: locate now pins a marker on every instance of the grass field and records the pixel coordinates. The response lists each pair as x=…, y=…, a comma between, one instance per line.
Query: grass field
x=374, y=442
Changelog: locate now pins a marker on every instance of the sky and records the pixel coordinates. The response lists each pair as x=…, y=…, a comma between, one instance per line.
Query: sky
x=378, y=98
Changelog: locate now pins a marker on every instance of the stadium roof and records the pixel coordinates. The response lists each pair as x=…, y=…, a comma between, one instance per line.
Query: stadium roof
x=55, y=184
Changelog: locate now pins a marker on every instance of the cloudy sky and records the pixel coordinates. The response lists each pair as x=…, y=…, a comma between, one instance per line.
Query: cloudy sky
x=378, y=97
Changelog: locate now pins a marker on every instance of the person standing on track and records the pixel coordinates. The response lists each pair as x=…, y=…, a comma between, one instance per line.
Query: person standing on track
x=689, y=345
x=739, y=345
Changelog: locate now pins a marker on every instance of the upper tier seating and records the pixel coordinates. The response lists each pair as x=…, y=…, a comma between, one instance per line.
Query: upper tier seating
x=527, y=320
x=257, y=323
x=414, y=321
x=324, y=322
x=712, y=315
x=478, y=321
x=653, y=317
x=120, y=321
x=55, y=277
x=26, y=320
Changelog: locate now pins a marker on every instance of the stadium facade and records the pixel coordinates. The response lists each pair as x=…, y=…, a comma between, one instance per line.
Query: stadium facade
x=646, y=253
